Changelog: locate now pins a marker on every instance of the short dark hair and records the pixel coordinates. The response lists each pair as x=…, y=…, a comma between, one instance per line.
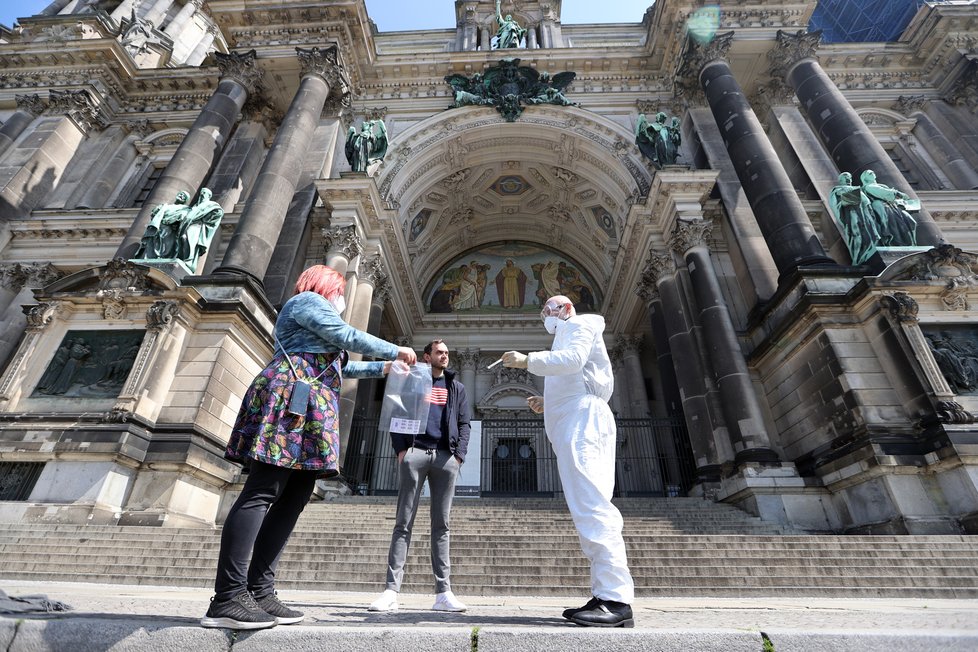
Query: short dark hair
x=429, y=347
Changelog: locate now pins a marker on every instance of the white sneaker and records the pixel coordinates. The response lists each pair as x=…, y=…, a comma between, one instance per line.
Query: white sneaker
x=447, y=602
x=386, y=602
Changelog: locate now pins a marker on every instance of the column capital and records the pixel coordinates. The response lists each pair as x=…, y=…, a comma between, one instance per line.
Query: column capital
x=907, y=104
x=647, y=290
x=242, y=67
x=32, y=104
x=964, y=91
x=629, y=343
x=371, y=270
x=791, y=49
x=616, y=355
x=12, y=277
x=78, y=107
x=467, y=359
x=695, y=57
x=37, y=275
x=689, y=234
x=658, y=265
x=901, y=306
x=140, y=128
x=160, y=314
x=325, y=63
x=343, y=239
x=382, y=292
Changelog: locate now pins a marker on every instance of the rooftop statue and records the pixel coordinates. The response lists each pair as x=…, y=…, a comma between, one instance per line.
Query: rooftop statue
x=510, y=34
x=854, y=215
x=508, y=85
x=659, y=141
x=366, y=146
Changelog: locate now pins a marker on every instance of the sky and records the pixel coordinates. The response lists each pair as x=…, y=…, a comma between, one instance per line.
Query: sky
x=390, y=15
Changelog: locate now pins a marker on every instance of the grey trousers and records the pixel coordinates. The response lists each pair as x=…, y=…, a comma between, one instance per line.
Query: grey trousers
x=441, y=470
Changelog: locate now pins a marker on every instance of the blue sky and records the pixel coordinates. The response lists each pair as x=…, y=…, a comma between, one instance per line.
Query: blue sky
x=392, y=15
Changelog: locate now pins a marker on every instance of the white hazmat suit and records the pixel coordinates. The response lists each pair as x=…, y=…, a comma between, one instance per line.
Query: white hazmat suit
x=581, y=428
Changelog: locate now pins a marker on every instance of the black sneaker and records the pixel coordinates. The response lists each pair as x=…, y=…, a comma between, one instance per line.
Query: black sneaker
x=591, y=604
x=274, y=607
x=240, y=612
x=607, y=613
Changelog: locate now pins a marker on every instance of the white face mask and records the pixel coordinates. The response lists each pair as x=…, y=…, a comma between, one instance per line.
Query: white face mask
x=550, y=323
x=339, y=303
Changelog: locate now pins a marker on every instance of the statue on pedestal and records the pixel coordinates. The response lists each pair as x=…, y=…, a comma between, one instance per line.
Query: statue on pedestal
x=181, y=233
x=854, y=215
x=198, y=229
x=896, y=226
x=510, y=34
x=366, y=146
x=659, y=141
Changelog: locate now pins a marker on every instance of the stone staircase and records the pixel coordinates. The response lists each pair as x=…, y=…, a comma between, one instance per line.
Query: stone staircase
x=676, y=546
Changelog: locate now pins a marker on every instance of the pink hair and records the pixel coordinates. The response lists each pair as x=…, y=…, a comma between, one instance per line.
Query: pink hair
x=324, y=281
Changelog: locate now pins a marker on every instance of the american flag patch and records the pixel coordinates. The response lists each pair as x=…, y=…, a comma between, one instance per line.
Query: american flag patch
x=438, y=396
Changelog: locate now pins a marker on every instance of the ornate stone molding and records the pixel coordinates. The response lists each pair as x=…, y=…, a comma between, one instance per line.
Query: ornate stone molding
x=657, y=266
x=901, y=306
x=32, y=104
x=687, y=78
x=791, y=49
x=907, y=104
x=629, y=344
x=946, y=262
x=466, y=359
x=120, y=273
x=242, y=67
x=12, y=277
x=113, y=304
x=952, y=412
x=372, y=271
x=344, y=240
x=647, y=290
x=160, y=314
x=964, y=91
x=42, y=314
x=689, y=234
x=77, y=106
x=141, y=128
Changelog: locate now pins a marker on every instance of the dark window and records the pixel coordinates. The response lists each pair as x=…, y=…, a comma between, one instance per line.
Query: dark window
x=148, y=184
x=17, y=479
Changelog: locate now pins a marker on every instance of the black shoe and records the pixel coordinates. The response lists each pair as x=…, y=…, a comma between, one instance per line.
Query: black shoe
x=274, y=607
x=606, y=614
x=240, y=612
x=591, y=604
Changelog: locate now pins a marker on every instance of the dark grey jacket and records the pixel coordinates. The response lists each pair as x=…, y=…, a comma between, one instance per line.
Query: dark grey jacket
x=455, y=418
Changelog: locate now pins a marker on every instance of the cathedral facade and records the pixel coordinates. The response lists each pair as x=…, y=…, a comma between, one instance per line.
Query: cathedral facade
x=811, y=333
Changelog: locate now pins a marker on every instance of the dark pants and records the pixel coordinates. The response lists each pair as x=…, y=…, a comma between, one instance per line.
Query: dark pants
x=259, y=525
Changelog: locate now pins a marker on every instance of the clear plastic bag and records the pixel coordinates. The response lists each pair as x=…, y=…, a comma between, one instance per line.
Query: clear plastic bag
x=405, y=408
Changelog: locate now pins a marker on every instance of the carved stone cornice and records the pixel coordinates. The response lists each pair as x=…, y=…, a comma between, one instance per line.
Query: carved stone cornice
x=32, y=104
x=964, y=91
x=907, y=104
x=37, y=275
x=689, y=234
x=344, y=240
x=657, y=266
x=901, y=306
x=77, y=106
x=791, y=49
x=242, y=67
x=160, y=314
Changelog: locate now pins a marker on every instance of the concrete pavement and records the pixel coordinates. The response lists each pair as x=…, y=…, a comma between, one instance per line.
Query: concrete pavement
x=159, y=619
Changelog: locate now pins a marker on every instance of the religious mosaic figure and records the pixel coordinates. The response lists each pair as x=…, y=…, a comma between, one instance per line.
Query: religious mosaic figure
x=511, y=285
x=854, y=215
x=481, y=279
x=509, y=34
x=159, y=241
x=366, y=146
x=198, y=229
x=896, y=226
x=658, y=140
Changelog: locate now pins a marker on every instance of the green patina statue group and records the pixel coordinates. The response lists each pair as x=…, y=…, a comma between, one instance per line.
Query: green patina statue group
x=179, y=232
x=659, y=141
x=872, y=215
x=508, y=86
x=366, y=146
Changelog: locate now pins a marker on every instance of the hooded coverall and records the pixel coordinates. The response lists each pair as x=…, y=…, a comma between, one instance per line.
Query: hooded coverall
x=581, y=428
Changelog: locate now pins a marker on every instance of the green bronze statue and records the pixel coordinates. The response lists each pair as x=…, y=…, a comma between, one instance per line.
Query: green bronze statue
x=366, y=146
x=854, y=216
x=659, y=141
x=510, y=34
x=179, y=232
x=896, y=226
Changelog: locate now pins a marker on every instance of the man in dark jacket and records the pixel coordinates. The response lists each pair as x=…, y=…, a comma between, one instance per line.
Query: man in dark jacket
x=437, y=455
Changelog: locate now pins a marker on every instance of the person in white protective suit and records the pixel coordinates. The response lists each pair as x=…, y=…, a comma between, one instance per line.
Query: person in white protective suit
x=581, y=428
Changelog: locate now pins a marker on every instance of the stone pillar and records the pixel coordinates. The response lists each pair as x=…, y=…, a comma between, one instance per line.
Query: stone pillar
x=186, y=12
x=780, y=214
x=619, y=400
x=203, y=46
x=636, y=398
x=741, y=409
x=486, y=39
x=31, y=171
x=369, y=275
x=18, y=285
x=465, y=361
x=28, y=108
x=239, y=164
x=342, y=245
x=251, y=246
x=157, y=12
x=201, y=146
x=531, y=37
x=671, y=396
x=96, y=194
x=849, y=141
x=953, y=163
x=660, y=272
x=86, y=165
x=123, y=11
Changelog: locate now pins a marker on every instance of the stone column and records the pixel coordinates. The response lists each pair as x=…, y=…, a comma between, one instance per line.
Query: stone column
x=18, y=285
x=619, y=400
x=97, y=193
x=465, y=361
x=342, y=245
x=203, y=46
x=531, y=37
x=953, y=163
x=157, y=12
x=780, y=214
x=201, y=146
x=251, y=246
x=123, y=11
x=369, y=275
x=660, y=272
x=849, y=141
x=741, y=409
x=186, y=12
x=29, y=107
x=30, y=172
x=637, y=399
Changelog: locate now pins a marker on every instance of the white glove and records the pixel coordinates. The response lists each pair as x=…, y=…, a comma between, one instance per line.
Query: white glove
x=514, y=359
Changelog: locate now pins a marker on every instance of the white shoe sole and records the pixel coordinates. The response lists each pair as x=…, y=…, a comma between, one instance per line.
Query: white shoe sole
x=290, y=621
x=382, y=610
x=230, y=623
x=455, y=610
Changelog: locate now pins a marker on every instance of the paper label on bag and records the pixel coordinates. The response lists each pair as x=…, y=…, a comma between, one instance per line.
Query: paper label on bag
x=406, y=426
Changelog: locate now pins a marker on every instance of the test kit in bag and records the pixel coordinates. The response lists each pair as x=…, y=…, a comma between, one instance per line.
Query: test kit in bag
x=405, y=407
x=299, y=401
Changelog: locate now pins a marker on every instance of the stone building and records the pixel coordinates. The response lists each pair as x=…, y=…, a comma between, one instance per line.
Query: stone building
x=799, y=386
